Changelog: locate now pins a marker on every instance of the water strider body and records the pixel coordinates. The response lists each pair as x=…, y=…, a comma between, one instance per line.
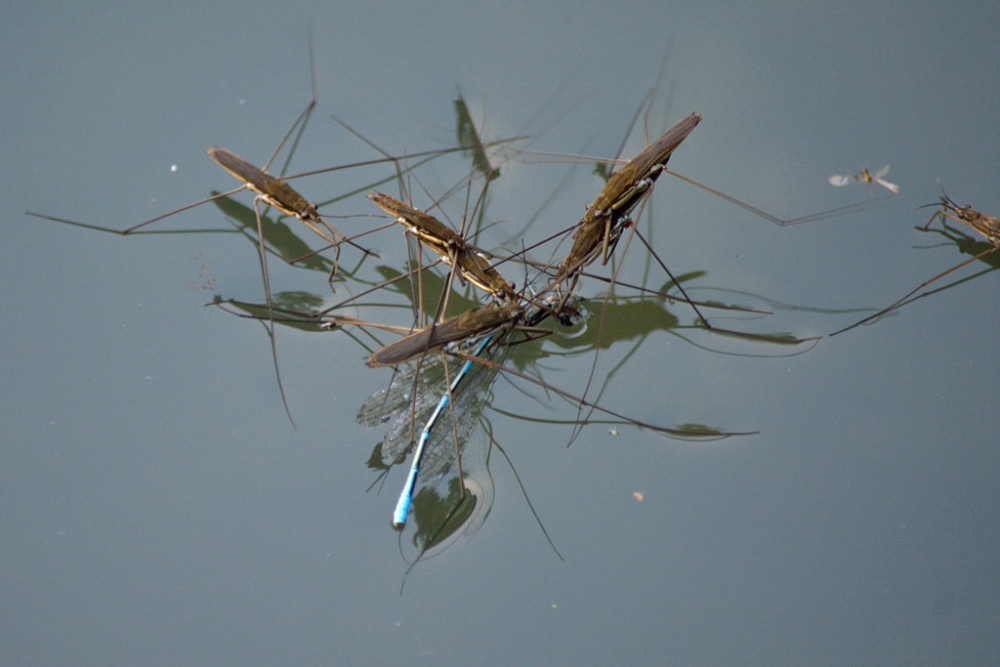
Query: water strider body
x=276, y=192
x=449, y=244
x=437, y=335
x=986, y=225
x=607, y=215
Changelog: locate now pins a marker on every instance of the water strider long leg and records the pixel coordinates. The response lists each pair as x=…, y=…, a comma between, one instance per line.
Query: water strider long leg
x=435, y=338
x=269, y=189
x=986, y=225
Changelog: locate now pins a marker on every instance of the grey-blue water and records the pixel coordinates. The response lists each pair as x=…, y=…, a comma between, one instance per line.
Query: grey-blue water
x=157, y=507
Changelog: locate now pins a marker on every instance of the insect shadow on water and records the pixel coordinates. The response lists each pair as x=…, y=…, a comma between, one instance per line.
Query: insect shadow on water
x=986, y=225
x=468, y=136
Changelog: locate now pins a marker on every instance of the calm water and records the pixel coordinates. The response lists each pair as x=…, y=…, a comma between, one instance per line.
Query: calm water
x=157, y=506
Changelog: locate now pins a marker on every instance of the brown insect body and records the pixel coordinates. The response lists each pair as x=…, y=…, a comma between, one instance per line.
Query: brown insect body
x=442, y=239
x=275, y=192
x=986, y=225
x=607, y=214
x=441, y=333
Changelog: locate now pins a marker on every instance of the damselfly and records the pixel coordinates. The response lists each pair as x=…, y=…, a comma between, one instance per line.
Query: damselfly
x=497, y=339
x=406, y=495
x=447, y=504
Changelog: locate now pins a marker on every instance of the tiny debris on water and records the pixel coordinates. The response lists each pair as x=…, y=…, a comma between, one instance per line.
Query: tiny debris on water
x=638, y=495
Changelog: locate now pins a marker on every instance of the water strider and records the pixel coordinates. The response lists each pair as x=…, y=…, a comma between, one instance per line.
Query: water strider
x=471, y=262
x=435, y=336
x=608, y=213
x=987, y=225
x=276, y=192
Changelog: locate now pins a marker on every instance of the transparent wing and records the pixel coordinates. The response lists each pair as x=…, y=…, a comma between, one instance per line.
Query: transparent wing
x=891, y=187
x=843, y=180
x=878, y=177
x=880, y=173
x=455, y=425
x=407, y=415
x=386, y=403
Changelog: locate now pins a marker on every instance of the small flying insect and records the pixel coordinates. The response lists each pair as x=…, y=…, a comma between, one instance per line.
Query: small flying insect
x=866, y=177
